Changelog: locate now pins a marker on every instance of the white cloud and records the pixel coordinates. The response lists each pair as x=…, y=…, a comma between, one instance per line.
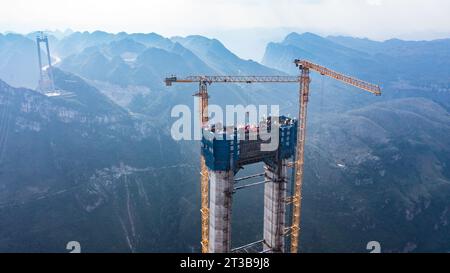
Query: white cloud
x=374, y=2
x=372, y=18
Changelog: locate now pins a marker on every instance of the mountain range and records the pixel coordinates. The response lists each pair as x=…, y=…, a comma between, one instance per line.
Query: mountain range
x=97, y=164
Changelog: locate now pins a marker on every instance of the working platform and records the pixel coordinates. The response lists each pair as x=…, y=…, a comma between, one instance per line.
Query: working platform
x=232, y=148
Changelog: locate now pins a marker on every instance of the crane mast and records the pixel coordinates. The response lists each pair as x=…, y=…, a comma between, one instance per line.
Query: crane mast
x=204, y=185
x=304, y=81
x=299, y=158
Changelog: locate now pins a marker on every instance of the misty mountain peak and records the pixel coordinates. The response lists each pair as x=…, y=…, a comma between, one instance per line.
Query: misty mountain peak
x=125, y=45
x=202, y=43
x=307, y=37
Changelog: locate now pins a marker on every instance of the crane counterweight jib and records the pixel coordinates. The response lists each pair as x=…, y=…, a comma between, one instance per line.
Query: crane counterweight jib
x=233, y=79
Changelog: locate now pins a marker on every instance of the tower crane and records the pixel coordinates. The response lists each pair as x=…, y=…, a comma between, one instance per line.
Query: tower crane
x=304, y=82
x=203, y=96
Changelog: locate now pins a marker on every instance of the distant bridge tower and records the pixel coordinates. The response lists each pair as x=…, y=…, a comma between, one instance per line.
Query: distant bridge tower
x=46, y=80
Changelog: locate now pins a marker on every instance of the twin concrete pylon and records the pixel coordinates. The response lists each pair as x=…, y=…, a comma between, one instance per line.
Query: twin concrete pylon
x=220, y=210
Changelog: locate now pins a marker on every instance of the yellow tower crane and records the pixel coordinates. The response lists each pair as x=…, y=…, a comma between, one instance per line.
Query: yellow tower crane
x=203, y=96
x=304, y=80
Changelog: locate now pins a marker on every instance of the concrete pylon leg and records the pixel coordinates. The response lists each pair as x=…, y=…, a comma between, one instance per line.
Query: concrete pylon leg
x=274, y=208
x=221, y=191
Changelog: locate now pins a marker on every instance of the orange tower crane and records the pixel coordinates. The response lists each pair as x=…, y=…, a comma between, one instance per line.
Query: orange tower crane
x=304, y=81
x=203, y=96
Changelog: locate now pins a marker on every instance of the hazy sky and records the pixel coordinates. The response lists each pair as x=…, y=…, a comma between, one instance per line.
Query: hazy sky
x=376, y=19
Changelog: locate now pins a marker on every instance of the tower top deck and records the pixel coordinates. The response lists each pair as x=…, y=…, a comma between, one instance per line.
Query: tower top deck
x=231, y=148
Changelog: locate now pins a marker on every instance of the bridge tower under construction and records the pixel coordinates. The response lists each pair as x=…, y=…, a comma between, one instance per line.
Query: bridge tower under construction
x=226, y=151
